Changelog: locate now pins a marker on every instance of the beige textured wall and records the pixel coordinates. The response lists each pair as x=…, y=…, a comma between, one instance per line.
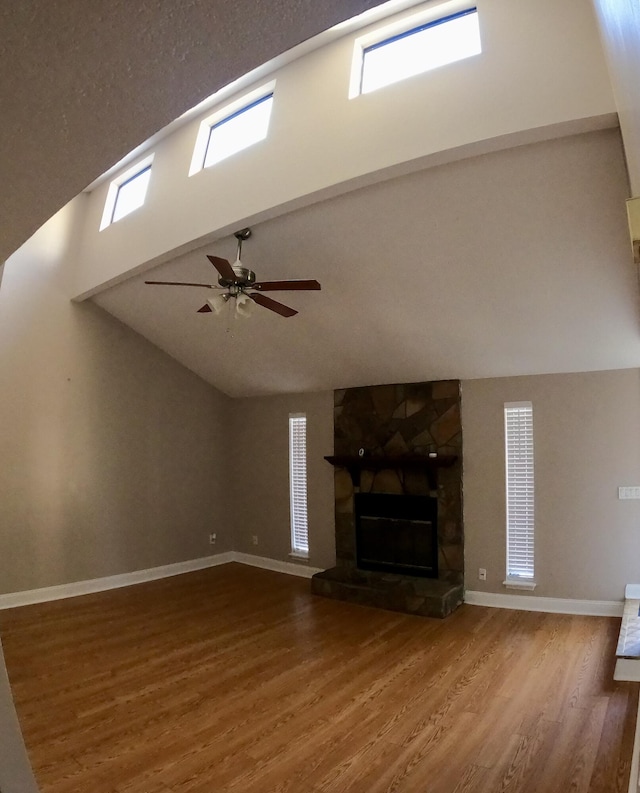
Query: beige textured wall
x=113, y=454
x=116, y=458
x=259, y=459
x=587, y=443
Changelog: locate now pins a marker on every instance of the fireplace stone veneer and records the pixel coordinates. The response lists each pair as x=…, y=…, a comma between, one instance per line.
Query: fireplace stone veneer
x=403, y=439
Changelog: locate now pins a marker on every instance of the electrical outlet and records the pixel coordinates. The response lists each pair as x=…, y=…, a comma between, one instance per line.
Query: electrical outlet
x=628, y=492
x=212, y=539
x=254, y=539
x=482, y=574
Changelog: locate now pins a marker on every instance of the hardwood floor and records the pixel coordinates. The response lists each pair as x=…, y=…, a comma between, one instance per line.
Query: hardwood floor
x=237, y=679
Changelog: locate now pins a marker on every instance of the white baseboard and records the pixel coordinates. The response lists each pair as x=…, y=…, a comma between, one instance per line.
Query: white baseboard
x=599, y=608
x=291, y=568
x=45, y=594
x=31, y=596
x=592, y=608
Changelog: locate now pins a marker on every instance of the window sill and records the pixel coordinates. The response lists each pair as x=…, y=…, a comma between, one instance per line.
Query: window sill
x=299, y=556
x=519, y=583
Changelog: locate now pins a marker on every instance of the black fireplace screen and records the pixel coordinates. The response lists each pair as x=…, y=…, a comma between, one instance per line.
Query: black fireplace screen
x=397, y=534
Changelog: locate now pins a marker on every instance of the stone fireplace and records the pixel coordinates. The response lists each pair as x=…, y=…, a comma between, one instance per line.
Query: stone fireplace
x=398, y=498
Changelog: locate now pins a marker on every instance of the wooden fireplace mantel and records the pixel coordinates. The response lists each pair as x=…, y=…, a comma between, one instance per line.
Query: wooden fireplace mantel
x=356, y=464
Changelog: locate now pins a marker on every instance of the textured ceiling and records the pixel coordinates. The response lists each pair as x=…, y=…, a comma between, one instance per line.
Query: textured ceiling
x=84, y=83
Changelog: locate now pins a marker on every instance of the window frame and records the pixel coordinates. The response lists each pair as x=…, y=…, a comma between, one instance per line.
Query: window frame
x=403, y=28
x=519, y=497
x=111, y=203
x=224, y=114
x=298, y=488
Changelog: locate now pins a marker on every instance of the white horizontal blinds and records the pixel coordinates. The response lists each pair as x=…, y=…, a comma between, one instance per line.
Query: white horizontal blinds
x=298, y=483
x=518, y=421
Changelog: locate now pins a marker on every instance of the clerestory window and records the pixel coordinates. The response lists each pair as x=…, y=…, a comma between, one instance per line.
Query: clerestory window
x=414, y=50
x=233, y=129
x=127, y=193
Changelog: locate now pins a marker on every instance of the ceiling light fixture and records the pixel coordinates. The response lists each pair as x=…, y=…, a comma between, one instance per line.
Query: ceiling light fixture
x=244, y=305
x=218, y=302
x=240, y=283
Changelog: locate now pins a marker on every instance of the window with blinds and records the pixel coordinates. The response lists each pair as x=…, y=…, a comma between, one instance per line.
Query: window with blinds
x=298, y=484
x=518, y=423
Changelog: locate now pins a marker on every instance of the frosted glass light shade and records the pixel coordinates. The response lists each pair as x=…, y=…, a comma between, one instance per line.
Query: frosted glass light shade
x=218, y=302
x=244, y=305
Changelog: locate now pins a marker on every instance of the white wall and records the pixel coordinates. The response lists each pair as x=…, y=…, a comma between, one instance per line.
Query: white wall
x=541, y=74
x=620, y=28
x=112, y=452
x=587, y=443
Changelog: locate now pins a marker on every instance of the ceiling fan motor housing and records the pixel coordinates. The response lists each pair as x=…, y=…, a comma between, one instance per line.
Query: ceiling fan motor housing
x=244, y=277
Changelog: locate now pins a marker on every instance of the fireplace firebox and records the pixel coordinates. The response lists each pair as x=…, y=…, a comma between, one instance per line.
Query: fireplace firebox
x=397, y=533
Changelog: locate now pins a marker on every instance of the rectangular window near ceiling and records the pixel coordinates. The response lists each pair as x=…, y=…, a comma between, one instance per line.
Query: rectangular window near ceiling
x=419, y=49
x=127, y=193
x=131, y=194
x=298, y=484
x=518, y=424
x=238, y=131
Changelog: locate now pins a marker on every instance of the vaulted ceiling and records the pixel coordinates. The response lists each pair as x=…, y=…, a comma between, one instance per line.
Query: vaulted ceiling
x=418, y=272
x=510, y=263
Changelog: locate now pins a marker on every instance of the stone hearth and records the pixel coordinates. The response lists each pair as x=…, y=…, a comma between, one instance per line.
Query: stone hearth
x=422, y=596
x=390, y=424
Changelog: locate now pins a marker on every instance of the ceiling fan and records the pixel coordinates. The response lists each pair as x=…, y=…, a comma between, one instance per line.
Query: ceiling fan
x=236, y=281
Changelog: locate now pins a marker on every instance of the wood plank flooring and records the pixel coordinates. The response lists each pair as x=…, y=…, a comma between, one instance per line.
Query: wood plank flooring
x=237, y=679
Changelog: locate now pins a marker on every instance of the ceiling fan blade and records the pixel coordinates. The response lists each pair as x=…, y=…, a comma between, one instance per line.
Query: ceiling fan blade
x=180, y=283
x=223, y=267
x=273, y=305
x=206, y=309
x=274, y=286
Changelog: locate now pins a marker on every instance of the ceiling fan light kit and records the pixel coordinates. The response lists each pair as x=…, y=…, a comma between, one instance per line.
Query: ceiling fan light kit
x=218, y=302
x=240, y=283
x=244, y=305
